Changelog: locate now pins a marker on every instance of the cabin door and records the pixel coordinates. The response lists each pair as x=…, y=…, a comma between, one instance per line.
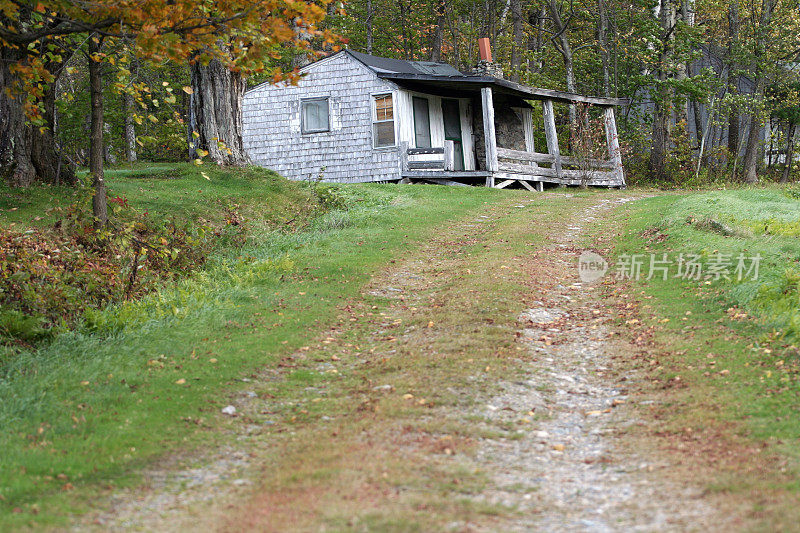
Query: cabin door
x=422, y=123
x=452, y=130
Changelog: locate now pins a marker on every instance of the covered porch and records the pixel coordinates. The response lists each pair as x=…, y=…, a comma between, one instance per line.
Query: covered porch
x=504, y=149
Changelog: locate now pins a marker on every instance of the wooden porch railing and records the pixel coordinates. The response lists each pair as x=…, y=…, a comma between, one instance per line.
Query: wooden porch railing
x=527, y=164
x=446, y=163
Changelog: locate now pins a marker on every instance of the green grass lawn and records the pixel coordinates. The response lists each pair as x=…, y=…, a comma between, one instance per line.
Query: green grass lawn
x=732, y=344
x=187, y=192
x=147, y=377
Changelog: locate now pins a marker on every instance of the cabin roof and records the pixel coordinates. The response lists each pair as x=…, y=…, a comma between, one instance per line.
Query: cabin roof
x=385, y=65
x=466, y=83
x=443, y=78
x=446, y=80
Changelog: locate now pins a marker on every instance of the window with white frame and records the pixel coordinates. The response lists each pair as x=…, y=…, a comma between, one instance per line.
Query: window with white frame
x=383, y=120
x=315, y=115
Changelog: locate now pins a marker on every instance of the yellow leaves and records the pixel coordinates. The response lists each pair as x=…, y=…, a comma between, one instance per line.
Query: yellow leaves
x=181, y=381
x=201, y=152
x=188, y=90
x=205, y=176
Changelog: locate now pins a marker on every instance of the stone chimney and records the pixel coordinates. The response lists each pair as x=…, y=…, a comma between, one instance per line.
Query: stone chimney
x=487, y=67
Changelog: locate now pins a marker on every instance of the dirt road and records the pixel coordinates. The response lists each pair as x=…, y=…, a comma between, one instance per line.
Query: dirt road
x=477, y=385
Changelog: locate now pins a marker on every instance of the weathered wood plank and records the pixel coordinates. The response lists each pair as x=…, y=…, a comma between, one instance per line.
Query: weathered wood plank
x=403, y=148
x=433, y=165
x=503, y=184
x=518, y=168
x=505, y=153
x=425, y=151
x=476, y=174
x=527, y=185
x=449, y=155
x=528, y=170
x=489, y=135
x=592, y=163
x=552, y=135
x=612, y=140
x=442, y=181
x=525, y=156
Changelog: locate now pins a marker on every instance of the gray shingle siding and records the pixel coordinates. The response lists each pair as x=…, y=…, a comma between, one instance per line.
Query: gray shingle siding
x=272, y=132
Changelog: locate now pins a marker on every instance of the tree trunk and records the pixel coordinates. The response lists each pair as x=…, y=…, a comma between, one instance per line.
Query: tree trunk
x=370, y=36
x=519, y=40
x=404, y=30
x=602, y=44
x=561, y=42
x=216, y=114
x=733, y=117
x=789, y=157
x=663, y=93
x=99, y=205
x=130, y=129
x=437, y=39
x=751, y=154
x=27, y=152
x=536, y=19
x=682, y=71
x=750, y=165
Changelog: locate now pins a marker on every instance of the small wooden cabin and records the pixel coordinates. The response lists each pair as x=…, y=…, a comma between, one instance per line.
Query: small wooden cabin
x=360, y=118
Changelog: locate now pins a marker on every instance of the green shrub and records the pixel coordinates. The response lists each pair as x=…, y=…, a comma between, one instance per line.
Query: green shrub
x=49, y=278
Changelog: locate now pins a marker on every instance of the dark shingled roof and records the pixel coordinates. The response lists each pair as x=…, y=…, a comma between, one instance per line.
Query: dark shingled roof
x=438, y=77
x=385, y=65
x=441, y=78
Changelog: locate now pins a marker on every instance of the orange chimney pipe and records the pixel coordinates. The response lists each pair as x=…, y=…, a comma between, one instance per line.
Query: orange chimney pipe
x=485, y=48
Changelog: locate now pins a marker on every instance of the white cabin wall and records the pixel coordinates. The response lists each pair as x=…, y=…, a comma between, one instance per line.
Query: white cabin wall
x=273, y=137
x=405, y=117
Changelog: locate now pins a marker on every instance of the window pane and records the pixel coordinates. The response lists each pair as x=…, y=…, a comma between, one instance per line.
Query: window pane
x=384, y=133
x=315, y=115
x=383, y=107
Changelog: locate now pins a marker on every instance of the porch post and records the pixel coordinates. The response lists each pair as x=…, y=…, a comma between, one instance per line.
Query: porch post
x=552, y=136
x=402, y=149
x=489, y=133
x=612, y=140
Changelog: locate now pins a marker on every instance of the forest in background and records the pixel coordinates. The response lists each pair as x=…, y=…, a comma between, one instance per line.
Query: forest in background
x=697, y=74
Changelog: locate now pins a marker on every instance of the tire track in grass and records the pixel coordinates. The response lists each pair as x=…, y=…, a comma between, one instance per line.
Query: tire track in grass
x=471, y=388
